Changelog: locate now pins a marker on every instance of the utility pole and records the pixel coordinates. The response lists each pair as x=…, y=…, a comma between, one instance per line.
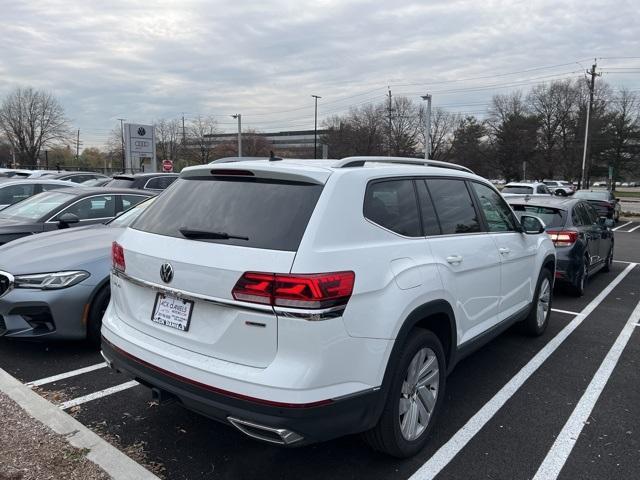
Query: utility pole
x=239, y=117
x=390, y=124
x=427, y=128
x=124, y=167
x=78, y=148
x=183, y=132
x=584, y=181
x=315, y=128
x=46, y=159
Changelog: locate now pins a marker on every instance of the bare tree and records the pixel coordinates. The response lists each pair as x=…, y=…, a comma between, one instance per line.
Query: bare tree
x=405, y=128
x=168, y=139
x=200, y=134
x=30, y=120
x=443, y=125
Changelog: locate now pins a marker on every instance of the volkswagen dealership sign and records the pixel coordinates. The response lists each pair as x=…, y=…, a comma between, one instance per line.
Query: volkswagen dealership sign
x=140, y=147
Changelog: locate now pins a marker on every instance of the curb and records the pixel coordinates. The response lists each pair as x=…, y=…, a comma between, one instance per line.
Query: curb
x=106, y=456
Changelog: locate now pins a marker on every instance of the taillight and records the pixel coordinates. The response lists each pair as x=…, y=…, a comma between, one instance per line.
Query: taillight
x=117, y=256
x=563, y=238
x=311, y=291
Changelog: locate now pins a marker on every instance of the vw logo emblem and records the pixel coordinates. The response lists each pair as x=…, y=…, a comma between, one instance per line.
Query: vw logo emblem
x=166, y=272
x=141, y=131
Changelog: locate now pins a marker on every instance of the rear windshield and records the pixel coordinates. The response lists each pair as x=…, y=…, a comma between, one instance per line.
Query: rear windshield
x=520, y=190
x=552, y=217
x=271, y=214
x=592, y=195
x=120, y=183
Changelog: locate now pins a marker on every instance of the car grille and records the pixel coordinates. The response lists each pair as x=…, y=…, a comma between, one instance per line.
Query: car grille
x=5, y=284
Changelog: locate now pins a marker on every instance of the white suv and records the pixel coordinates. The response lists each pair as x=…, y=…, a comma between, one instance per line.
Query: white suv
x=302, y=300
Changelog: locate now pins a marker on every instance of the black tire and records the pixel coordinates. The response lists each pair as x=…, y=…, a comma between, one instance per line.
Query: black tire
x=387, y=436
x=96, y=312
x=534, y=325
x=609, y=262
x=561, y=193
x=582, y=277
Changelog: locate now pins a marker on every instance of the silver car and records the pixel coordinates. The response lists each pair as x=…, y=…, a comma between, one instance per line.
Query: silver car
x=56, y=284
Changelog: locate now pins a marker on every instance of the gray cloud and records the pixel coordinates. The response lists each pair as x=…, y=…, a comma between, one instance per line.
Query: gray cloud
x=145, y=60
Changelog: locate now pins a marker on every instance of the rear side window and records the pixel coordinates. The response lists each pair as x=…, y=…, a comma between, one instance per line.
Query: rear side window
x=15, y=193
x=454, y=206
x=120, y=183
x=392, y=204
x=517, y=189
x=160, y=183
x=271, y=214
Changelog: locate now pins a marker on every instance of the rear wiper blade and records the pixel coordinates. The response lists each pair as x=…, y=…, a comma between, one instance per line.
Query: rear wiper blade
x=203, y=234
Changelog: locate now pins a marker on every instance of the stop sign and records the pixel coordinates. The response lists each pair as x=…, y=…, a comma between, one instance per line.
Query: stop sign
x=167, y=166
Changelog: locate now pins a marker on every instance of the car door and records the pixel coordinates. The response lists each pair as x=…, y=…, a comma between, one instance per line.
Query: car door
x=517, y=251
x=601, y=232
x=591, y=231
x=467, y=258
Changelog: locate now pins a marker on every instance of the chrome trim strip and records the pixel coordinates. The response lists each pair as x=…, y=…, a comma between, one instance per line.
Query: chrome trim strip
x=311, y=315
x=192, y=296
x=12, y=282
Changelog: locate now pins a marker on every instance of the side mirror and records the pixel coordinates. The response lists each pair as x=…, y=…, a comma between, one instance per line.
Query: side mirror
x=532, y=225
x=617, y=200
x=67, y=219
x=606, y=222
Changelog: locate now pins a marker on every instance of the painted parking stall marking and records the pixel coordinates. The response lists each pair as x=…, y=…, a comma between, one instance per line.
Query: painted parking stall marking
x=451, y=448
x=95, y=395
x=562, y=447
x=634, y=228
x=566, y=312
x=621, y=226
x=62, y=376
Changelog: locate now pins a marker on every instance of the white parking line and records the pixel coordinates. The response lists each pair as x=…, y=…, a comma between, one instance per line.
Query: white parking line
x=99, y=394
x=562, y=447
x=457, y=442
x=634, y=229
x=564, y=311
x=621, y=261
x=620, y=226
x=62, y=376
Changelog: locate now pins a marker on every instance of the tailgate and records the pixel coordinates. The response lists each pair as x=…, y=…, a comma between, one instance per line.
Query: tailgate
x=204, y=273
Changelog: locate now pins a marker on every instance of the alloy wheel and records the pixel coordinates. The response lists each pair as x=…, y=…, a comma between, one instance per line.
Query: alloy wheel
x=544, y=300
x=419, y=394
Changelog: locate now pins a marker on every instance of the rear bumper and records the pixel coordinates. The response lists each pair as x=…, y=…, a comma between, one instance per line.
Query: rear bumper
x=304, y=423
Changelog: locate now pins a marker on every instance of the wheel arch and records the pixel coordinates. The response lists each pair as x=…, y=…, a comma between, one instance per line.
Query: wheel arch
x=104, y=283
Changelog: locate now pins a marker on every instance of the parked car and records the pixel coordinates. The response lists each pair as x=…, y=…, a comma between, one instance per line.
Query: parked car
x=300, y=301
x=604, y=201
x=75, y=177
x=14, y=172
x=59, y=281
x=560, y=187
x=156, y=182
x=583, y=239
x=68, y=207
x=14, y=191
x=524, y=188
x=600, y=184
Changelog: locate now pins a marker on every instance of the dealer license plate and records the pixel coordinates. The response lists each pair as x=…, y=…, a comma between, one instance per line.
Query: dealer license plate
x=172, y=312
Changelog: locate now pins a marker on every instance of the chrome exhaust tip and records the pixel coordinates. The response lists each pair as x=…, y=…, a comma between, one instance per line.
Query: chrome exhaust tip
x=279, y=436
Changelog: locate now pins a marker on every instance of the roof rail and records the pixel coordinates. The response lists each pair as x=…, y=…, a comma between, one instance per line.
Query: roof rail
x=360, y=161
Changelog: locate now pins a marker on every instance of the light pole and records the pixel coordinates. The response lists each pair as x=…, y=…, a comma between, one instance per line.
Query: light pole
x=124, y=166
x=427, y=127
x=315, y=128
x=239, y=117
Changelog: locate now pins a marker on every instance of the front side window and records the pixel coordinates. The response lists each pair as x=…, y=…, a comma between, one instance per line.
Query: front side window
x=454, y=206
x=392, y=204
x=497, y=213
x=92, y=208
x=129, y=201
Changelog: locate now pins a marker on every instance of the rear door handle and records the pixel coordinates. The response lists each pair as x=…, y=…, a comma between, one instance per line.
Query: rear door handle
x=454, y=259
x=504, y=251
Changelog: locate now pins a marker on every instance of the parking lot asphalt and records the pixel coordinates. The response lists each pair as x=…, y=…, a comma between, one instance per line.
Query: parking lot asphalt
x=506, y=405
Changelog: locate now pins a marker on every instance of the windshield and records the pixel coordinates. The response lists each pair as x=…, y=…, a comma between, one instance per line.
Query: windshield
x=128, y=216
x=592, y=195
x=250, y=212
x=552, y=217
x=36, y=207
x=516, y=189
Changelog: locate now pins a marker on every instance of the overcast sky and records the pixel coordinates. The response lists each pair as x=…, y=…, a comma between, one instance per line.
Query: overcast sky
x=146, y=60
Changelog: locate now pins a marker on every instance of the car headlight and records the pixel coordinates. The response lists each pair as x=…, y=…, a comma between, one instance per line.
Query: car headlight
x=50, y=281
